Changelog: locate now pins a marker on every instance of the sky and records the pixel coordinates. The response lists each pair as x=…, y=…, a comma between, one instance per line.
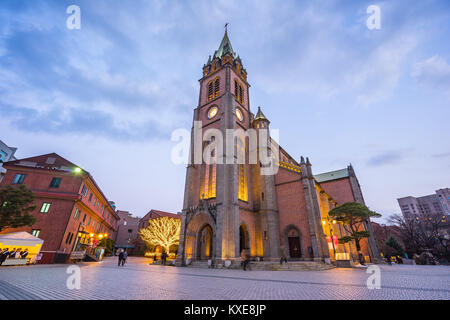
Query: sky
x=108, y=96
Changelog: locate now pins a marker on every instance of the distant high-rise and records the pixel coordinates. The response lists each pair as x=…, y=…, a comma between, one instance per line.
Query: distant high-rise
x=6, y=154
x=438, y=203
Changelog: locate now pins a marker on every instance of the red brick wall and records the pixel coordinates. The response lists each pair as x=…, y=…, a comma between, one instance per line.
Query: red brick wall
x=341, y=191
x=292, y=207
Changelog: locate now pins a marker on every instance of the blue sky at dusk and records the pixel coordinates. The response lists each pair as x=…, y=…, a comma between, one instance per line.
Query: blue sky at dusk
x=108, y=96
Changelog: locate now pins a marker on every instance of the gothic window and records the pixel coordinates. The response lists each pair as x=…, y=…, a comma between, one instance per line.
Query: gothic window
x=238, y=91
x=210, y=90
x=243, y=187
x=216, y=87
x=242, y=170
x=241, y=94
x=208, y=189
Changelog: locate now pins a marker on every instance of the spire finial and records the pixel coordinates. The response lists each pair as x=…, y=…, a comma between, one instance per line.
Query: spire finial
x=226, y=27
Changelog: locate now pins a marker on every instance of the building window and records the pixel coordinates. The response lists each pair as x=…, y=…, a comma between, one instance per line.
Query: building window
x=95, y=200
x=208, y=188
x=238, y=91
x=210, y=90
x=90, y=197
x=19, y=178
x=55, y=182
x=35, y=232
x=68, y=237
x=45, y=207
x=216, y=87
x=77, y=213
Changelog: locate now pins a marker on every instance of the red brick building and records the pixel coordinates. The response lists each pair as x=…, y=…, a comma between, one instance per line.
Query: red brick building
x=71, y=209
x=231, y=205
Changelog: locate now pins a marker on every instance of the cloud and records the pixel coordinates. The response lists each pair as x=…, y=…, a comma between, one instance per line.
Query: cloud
x=442, y=155
x=433, y=72
x=385, y=158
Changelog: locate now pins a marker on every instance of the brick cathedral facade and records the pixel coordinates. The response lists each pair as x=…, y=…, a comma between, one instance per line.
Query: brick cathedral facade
x=230, y=207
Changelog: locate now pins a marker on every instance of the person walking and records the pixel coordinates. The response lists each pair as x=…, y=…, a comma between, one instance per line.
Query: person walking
x=283, y=257
x=120, y=258
x=124, y=258
x=163, y=257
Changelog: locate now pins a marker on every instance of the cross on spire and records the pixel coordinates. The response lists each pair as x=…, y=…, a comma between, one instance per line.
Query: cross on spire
x=226, y=27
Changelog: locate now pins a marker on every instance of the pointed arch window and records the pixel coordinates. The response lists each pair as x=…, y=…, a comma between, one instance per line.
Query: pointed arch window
x=208, y=188
x=210, y=90
x=242, y=170
x=238, y=91
x=216, y=87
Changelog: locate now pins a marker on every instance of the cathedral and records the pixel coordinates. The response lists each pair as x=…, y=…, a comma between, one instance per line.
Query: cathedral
x=230, y=206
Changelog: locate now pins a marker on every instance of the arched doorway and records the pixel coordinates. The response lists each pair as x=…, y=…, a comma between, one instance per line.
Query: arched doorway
x=205, y=243
x=244, y=242
x=293, y=237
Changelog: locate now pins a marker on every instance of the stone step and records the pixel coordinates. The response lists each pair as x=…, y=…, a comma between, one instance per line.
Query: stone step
x=272, y=266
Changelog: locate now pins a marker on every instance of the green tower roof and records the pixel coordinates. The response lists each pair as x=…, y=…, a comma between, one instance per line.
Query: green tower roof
x=260, y=115
x=225, y=46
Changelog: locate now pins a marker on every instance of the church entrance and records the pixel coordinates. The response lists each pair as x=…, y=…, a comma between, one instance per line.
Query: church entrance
x=294, y=247
x=243, y=238
x=293, y=238
x=205, y=243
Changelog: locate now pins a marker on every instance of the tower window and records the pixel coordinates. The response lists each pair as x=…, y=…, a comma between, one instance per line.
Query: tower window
x=238, y=91
x=216, y=87
x=210, y=90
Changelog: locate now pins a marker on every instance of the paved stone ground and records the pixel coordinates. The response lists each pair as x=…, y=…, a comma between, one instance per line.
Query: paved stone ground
x=139, y=280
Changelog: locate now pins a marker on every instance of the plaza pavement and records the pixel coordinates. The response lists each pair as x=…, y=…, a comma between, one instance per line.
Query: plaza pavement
x=139, y=280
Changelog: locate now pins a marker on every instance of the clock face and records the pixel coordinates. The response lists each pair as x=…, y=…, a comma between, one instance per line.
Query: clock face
x=239, y=114
x=212, y=112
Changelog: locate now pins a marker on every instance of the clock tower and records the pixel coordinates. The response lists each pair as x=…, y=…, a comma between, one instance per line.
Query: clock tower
x=219, y=219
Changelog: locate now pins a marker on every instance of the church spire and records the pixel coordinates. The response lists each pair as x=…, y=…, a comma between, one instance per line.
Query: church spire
x=225, y=46
x=260, y=115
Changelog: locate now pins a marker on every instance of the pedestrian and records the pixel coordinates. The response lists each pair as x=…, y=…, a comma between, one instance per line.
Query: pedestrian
x=4, y=255
x=247, y=259
x=24, y=254
x=120, y=258
x=163, y=257
x=243, y=259
x=283, y=257
x=17, y=255
x=12, y=254
x=154, y=258
x=125, y=255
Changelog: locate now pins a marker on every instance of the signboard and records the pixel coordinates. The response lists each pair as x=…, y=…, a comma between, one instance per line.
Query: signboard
x=77, y=255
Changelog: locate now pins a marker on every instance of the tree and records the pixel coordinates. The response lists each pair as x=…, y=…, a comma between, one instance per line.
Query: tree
x=108, y=244
x=397, y=249
x=163, y=231
x=424, y=232
x=353, y=215
x=16, y=207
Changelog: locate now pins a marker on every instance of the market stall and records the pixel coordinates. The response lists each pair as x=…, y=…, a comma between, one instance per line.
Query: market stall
x=20, y=241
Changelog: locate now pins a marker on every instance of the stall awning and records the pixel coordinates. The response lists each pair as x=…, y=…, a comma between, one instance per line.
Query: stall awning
x=19, y=239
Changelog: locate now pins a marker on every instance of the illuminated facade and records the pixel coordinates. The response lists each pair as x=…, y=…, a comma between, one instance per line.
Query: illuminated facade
x=229, y=207
x=71, y=209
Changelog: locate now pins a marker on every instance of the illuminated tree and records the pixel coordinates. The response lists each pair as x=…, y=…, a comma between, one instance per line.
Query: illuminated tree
x=163, y=231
